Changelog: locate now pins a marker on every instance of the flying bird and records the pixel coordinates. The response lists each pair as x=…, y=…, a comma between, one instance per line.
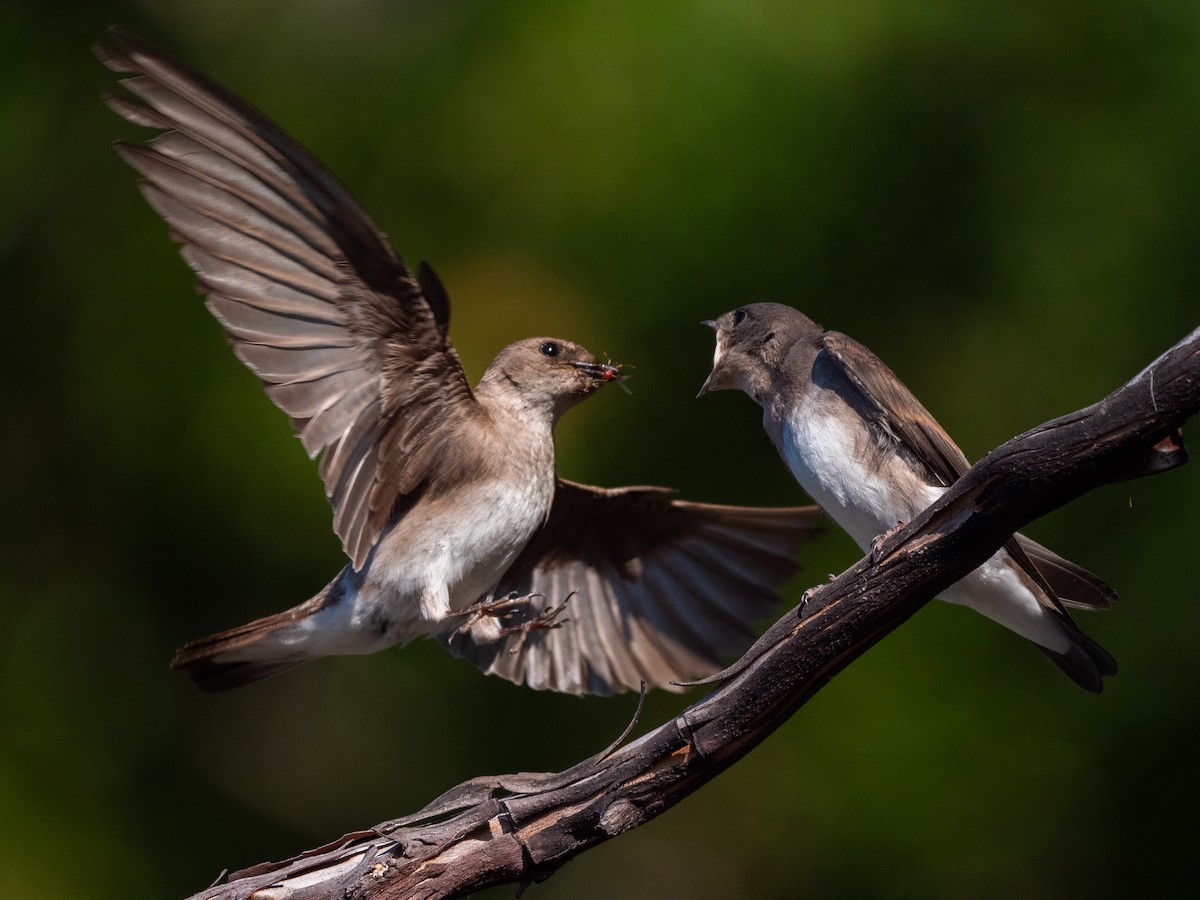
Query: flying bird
x=866, y=450
x=444, y=495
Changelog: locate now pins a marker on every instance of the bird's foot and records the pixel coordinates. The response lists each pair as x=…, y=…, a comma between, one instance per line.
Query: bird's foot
x=812, y=592
x=543, y=621
x=493, y=609
x=879, y=540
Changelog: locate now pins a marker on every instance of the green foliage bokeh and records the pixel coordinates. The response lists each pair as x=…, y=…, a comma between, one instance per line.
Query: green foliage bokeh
x=1001, y=199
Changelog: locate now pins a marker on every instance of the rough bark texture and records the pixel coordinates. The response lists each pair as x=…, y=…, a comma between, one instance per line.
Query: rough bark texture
x=521, y=828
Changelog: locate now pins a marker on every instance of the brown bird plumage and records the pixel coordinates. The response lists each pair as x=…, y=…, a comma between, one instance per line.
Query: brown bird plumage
x=862, y=445
x=444, y=497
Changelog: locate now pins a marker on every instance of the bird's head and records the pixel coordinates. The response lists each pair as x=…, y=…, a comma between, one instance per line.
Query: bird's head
x=547, y=374
x=752, y=342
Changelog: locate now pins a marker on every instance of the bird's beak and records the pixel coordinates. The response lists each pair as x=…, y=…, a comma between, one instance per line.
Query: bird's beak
x=707, y=386
x=600, y=371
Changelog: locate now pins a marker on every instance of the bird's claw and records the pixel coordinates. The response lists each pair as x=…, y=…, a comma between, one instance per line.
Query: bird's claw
x=496, y=609
x=804, y=598
x=812, y=592
x=879, y=540
x=543, y=621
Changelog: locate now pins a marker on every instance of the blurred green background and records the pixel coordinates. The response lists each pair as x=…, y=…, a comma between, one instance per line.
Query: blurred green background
x=1001, y=199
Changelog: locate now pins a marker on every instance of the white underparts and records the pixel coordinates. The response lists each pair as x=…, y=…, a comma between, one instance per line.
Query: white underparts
x=828, y=459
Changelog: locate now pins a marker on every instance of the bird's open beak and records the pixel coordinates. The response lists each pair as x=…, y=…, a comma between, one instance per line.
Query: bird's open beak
x=707, y=386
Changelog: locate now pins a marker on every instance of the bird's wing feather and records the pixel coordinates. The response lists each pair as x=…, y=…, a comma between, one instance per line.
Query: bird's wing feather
x=312, y=296
x=893, y=407
x=662, y=590
x=1072, y=584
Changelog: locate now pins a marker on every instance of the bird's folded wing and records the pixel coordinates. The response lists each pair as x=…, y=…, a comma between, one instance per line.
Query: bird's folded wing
x=1073, y=585
x=894, y=408
x=311, y=295
x=661, y=590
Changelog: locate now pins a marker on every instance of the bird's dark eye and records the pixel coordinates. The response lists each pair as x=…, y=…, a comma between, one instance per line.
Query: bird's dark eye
x=739, y=316
x=549, y=349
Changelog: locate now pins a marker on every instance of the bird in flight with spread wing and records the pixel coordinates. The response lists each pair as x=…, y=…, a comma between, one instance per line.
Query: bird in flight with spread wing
x=444, y=496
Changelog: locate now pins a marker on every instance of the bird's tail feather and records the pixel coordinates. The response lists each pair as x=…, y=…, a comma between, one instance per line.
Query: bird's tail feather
x=244, y=654
x=212, y=676
x=1086, y=662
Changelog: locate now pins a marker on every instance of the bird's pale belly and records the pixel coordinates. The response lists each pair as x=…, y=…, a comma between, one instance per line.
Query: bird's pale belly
x=827, y=459
x=492, y=543
x=449, y=553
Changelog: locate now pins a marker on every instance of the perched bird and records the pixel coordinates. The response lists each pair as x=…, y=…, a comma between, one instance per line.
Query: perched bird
x=444, y=496
x=865, y=449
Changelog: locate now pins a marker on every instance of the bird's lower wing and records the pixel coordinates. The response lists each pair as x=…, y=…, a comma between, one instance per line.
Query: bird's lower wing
x=661, y=590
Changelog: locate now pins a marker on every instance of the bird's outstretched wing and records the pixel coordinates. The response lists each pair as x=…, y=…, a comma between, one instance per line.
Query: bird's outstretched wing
x=313, y=297
x=662, y=590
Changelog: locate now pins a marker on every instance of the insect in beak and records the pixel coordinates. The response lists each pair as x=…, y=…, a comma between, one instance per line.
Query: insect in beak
x=605, y=372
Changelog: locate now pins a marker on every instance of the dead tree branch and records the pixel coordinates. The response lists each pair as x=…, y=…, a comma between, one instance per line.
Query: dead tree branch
x=521, y=828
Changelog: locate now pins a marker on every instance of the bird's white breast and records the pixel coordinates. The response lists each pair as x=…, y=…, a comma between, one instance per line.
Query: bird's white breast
x=449, y=551
x=444, y=555
x=828, y=458
x=479, y=548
